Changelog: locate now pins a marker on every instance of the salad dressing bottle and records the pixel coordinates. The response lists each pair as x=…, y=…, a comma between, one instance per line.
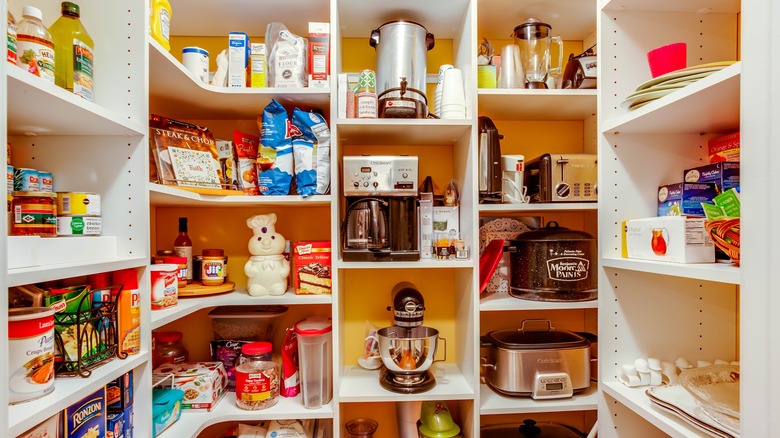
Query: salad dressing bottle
x=73, y=53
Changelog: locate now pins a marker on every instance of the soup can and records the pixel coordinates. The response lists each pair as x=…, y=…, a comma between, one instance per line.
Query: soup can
x=45, y=181
x=25, y=180
x=10, y=179
x=30, y=353
x=78, y=203
x=79, y=225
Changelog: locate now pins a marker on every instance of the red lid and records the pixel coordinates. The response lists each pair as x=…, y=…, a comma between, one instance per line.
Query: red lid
x=256, y=348
x=168, y=336
x=128, y=278
x=313, y=327
x=176, y=260
x=213, y=253
x=488, y=262
x=100, y=281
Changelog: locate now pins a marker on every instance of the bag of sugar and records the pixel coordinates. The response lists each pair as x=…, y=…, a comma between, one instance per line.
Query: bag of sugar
x=311, y=147
x=275, y=157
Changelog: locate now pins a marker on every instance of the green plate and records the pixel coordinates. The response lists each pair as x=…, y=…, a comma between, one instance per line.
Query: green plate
x=647, y=96
x=697, y=69
x=660, y=88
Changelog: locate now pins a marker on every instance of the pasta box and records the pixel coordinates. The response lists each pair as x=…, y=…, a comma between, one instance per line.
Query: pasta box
x=128, y=419
x=115, y=425
x=119, y=393
x=312, y=261
x=203, y=383
x=166, y=408
x=675, y=239
x=87, y=417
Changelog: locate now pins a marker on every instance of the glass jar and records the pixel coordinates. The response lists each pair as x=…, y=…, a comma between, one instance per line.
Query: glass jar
x=34, y=214
x=169, y=349
x=257, y=377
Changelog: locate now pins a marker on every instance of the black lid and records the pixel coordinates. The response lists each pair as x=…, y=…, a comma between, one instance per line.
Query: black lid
x=70, y=8
x=519, y=339
x=552, y=231
x=535, y=25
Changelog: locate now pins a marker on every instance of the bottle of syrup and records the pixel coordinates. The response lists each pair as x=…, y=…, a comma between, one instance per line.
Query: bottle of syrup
x=183, y=246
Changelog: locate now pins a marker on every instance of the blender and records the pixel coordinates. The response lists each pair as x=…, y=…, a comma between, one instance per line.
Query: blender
x=533, y=38
x=408, y=349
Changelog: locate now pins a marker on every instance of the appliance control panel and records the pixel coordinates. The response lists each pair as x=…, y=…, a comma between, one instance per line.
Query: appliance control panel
x=380, y=175
x=552, y=385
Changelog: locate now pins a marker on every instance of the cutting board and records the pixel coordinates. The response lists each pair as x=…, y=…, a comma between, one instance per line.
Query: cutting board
x=199, y=290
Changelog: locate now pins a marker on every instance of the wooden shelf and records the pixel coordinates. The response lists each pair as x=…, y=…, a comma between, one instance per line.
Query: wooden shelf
x=429, y=132
x=500, y=301
x=493, y=403
x=361, y=385
x=712, y=102
x=522, y=104
x=523, y=208
x=174, y=93
x=717, y=272
x=37, y=107
x=165, y=196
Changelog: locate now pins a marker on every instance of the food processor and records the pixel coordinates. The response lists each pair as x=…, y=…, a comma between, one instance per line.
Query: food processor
x=408, y=349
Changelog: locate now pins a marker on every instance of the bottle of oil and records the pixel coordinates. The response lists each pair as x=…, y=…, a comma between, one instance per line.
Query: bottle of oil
x=161, y=22
x=11, y=34
x=73, y=49
x=34, y=45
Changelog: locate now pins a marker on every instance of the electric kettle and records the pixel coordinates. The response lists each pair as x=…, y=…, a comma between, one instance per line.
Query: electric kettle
x=366, y=224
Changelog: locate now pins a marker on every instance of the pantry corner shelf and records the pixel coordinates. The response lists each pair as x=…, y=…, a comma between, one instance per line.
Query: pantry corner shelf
x=552, y=206
x=67, y=391
x=361, y=385
x=490, y=302
x=636, y=400
x=37, y=107
x=194, y=421
x=239, y=297
x=492, y=403
x=522, y=104
x=164, y=196
x=716, y=272
x=421, y=264
x=428, y=132
x=38, y=274
x=713, y=101
x=175, y=93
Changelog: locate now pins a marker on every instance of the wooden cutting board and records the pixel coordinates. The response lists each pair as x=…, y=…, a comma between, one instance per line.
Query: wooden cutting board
x=199, y=290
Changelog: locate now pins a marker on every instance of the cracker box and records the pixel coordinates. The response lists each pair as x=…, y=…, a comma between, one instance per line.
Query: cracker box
x=203, y=383
x=119, y=393
x=87, y=417
x=670, y=200
x=694, y=194
x=724, y=148
x=725, y=175
x=312, y=262
x=674, y=239
x=319, y=55
x=115, y=425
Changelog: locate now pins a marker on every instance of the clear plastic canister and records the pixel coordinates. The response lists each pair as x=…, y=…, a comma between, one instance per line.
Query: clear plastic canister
x=315, y=339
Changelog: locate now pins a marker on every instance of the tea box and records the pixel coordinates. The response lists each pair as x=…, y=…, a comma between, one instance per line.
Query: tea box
x=725, y=175
x=670, y=200
x=694, y=194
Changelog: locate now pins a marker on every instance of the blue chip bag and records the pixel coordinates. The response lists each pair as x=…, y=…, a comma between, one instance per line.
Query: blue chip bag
x=275, y=155
x=311, y=147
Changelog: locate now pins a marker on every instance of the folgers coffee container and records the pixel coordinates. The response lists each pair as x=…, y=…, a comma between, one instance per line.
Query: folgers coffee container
x=30, y=353
x=554, y=264
x=78, y=203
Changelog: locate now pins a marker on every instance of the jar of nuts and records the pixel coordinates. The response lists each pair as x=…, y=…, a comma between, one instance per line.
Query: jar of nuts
x=257, y=377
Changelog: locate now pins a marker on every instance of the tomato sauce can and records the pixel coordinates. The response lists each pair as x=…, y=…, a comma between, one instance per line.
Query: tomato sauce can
x=34, y=214
x=78, y=203
x=26, y=180
x=30, y=353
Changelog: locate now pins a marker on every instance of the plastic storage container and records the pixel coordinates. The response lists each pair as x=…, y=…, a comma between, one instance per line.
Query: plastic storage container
x=257, y=377
x=245, y=323
x=315, y=339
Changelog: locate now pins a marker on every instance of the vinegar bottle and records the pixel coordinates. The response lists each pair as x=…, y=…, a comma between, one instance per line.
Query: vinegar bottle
x=161, y=22
x=73, y=49
x=183, y=246
x=35, y=49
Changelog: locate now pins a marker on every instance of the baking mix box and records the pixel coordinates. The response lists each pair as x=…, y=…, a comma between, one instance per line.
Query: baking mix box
x=87, y=417
x=724, y=174
x=312, y=267
x=203, y=383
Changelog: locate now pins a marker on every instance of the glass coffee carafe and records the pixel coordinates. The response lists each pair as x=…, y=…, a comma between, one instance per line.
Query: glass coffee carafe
x=533, y=38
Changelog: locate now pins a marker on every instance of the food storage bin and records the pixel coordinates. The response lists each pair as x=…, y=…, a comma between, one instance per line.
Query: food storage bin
x=315, y=364
x=246, y=323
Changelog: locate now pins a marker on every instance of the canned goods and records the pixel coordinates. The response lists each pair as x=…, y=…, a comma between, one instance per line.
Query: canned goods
x=26, y=180
x=30, y=353
x=10, y=179
x=34, y=214
x=79, y=225
x=78, y=203
x=45, y=181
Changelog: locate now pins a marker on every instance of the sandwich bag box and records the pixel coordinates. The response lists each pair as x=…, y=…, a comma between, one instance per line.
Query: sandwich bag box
x=312, y=267
x=203, y=383
x=87, y=417
x=675, y=239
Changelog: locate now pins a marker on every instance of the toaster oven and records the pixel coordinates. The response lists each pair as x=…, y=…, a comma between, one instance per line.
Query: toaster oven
x=562, y=178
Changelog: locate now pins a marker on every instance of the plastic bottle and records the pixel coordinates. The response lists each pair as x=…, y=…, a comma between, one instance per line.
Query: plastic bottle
x=161, y=22
x=11, y=33
x=257, y=377
x=183, y=246
x=34, y=46
x=73, y=52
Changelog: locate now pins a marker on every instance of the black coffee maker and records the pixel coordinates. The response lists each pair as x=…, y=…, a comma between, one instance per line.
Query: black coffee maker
x=489, y=162
x=380, y=221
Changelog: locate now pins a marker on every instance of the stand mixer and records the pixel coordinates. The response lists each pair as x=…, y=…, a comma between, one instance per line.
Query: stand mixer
x=408, y=349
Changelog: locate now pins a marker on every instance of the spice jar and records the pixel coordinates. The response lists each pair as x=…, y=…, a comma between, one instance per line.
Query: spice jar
x=34, y=214
x=212, y=271
x=257, y=377
x=169, y=349
x=181, y=273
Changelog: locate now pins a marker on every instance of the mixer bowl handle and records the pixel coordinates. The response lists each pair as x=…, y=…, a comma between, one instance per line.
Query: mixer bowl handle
x=373, y=40
x=429, y=40
x=445, y=349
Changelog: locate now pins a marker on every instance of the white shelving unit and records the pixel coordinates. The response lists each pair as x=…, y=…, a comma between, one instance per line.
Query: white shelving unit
x=492, y=302
x=522, y=104
x=166, y=196
x=529, y=208
x=360, y=385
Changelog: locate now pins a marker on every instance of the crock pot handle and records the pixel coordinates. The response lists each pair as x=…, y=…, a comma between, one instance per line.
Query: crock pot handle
x=373, y=40
x=429, y=41
x=589, y=336
x=486, y=364
x=445, y=350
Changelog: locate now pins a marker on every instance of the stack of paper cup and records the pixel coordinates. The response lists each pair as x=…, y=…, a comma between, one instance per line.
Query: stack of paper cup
x=437, y=97
x=365, y=96
x=453, y=97
x=511, y=73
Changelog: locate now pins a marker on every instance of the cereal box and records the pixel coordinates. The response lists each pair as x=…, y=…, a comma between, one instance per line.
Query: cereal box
x=312, y=268
x=203, y=383
x=87, y=417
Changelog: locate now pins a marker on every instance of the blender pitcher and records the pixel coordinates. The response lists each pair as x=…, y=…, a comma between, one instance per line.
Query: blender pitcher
x=533, y=38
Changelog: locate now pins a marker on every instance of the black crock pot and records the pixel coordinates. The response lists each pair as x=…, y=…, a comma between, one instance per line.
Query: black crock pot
x=554, y=264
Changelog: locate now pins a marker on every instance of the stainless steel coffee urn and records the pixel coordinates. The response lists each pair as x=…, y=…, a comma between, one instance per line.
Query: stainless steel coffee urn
x=402, y=59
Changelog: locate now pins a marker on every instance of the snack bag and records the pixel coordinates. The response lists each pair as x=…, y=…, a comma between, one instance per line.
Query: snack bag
x=290, y=384
x=246, y=156
x=312, y=153
x=275, y=158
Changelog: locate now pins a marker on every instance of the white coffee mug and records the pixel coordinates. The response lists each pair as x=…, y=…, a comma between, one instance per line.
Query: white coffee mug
x=196, y=60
